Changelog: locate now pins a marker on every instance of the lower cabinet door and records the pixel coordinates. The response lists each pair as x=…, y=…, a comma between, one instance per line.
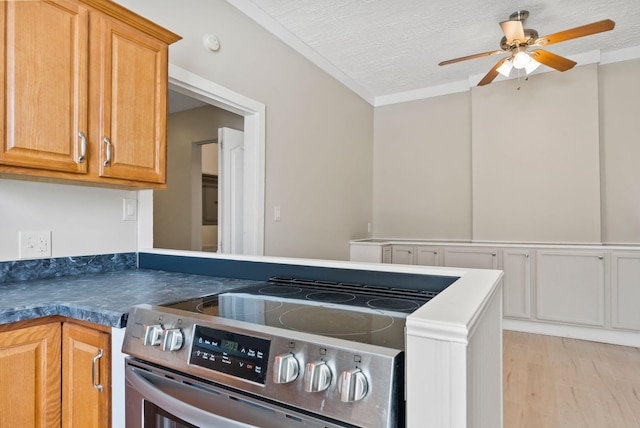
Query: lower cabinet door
x=30, y=377
x=403, y=254
x=625, y=290
x=86, y=380
x=516, y=264
x=429, y=256
x=570, y=286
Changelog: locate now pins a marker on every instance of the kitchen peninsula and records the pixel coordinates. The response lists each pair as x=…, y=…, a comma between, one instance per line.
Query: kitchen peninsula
x=453, y=343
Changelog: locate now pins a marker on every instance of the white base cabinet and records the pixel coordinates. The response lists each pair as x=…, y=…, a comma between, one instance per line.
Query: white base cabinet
x=625, y=290
x=570, y=287
x=416, y=255
x=516, y=264
x=588, y=292
x=403, y=254
x=471, y=257
x=372, y=253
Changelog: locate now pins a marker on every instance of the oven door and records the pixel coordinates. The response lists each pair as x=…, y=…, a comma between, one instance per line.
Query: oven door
x=157, y=398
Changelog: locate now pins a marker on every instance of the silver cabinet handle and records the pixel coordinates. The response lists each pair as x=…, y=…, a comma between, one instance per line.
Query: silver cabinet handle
x=83, y=147
x=526, y=255
x=600, y=257
x=94, y=371
x=494, y=254
x=107, y=143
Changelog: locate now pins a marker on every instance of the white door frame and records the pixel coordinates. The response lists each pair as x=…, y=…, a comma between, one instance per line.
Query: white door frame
x=197, y=87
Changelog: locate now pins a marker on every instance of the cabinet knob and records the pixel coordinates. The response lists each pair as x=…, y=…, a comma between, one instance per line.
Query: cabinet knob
x=526, y=255
x=600, y=257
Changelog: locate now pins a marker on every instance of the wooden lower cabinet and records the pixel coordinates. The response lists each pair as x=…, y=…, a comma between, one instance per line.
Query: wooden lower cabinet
x=30, y=377
x=86, y=377
x=47, y=375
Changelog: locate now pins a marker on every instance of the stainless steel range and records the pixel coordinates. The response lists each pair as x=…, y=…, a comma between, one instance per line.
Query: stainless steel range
x=284, y=353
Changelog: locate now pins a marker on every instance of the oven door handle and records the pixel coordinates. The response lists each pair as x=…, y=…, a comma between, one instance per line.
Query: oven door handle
x=185, y=411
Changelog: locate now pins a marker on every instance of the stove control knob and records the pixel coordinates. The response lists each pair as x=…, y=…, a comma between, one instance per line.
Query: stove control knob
x=317, y=376
x=285, y=368
x=172, y=339
x=352, y=385
x=152, y=335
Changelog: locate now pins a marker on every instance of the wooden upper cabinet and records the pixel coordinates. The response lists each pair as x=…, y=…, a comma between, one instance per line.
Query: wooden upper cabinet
x=30, y=377
x=83, y=92
x=44, y=80
x=132, y=108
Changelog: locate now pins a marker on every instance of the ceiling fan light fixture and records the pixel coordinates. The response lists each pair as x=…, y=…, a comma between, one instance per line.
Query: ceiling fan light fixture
x=505, y=68
x=521, y=58
x=531, y=66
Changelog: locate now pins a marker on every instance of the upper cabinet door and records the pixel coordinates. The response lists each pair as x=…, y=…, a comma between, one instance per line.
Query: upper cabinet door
x=43, y=92
x=133, y=106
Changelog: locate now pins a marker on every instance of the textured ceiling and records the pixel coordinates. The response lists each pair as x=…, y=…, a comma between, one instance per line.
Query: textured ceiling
x=379, y=48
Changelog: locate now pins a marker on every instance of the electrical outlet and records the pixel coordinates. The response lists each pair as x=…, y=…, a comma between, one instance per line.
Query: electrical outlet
x=35, y=245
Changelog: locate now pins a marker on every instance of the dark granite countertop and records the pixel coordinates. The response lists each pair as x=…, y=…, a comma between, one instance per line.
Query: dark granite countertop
x=104, y=298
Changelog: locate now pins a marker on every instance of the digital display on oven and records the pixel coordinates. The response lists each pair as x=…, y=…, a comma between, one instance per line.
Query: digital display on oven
x=246, y=357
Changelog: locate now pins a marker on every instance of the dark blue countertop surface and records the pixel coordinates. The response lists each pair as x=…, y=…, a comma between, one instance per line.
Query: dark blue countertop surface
x=104, y=298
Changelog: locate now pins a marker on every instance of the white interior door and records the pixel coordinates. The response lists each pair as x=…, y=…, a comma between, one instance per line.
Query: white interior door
x=231, y=188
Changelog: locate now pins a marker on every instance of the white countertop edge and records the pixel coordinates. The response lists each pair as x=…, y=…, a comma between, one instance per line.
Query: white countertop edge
x=452, y=316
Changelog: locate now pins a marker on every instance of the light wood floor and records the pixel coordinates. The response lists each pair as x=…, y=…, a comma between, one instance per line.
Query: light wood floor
x=557, y=382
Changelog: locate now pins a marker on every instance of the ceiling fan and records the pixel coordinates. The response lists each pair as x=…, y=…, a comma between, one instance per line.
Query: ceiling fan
x=518, y=41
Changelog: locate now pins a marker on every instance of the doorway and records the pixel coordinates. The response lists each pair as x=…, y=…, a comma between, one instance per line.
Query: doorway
x=251, y=232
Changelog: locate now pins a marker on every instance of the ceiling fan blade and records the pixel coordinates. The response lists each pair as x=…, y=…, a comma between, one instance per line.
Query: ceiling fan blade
x=513, y=30
x=464, y=58
x=574, y=33
x=552, y=60
x=488, y=78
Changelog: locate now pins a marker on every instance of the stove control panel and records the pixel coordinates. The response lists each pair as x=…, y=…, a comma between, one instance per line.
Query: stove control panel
x=336, y=378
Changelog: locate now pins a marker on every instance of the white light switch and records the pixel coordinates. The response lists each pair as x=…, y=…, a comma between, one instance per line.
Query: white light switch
x=129, y=209
x=276, y=213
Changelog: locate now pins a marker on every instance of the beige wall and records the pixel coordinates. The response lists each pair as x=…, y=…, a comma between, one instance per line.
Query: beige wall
x=620, y=140
x=422, y=169
x=457, y=160
x=318, y=133
x=535, y=159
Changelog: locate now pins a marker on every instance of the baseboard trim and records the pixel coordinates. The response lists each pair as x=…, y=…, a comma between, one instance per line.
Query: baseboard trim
x=615, y=337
